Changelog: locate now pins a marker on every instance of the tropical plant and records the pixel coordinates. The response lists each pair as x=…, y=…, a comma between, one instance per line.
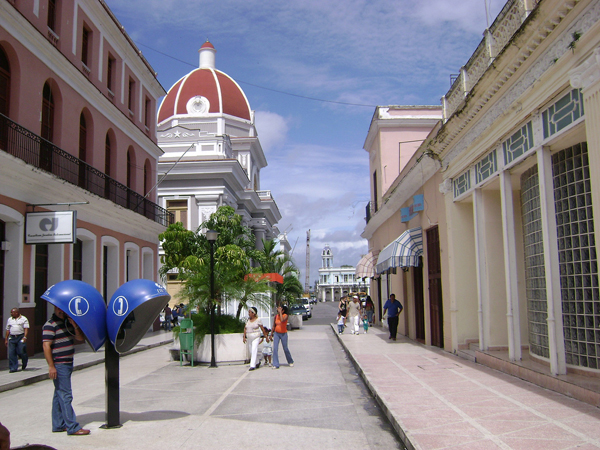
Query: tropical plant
x=188, y=254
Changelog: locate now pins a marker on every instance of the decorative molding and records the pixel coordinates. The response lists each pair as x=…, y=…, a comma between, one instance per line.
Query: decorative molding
x=198, y=106
x=559, y=47
x=587, y=73
x=446, y=186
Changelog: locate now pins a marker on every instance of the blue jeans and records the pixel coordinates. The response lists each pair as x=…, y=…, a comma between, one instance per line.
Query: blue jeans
x=283, y=337
x=63, y=415
x=340, y=329
x=16, y=350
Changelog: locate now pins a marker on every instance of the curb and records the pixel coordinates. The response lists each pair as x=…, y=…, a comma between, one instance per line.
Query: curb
x=44, y=376
x=380, y=401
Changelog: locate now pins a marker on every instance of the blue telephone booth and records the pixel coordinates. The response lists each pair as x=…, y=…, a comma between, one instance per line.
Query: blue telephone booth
x=132, y=310
x=84, y=304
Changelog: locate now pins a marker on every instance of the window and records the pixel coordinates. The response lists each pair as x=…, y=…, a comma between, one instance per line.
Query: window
x=179, y=209
x=4, y=83
x=78, y=260
x=85, y=44
x=131, y=95
x=52, y=15
x=107, y=171
x=147, y=112
x=129, y=169
x=374, y=191
x=47, y=130
x=82, y=150
x=110, y=73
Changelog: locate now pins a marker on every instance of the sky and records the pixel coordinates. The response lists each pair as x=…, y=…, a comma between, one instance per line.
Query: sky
x=313, y=72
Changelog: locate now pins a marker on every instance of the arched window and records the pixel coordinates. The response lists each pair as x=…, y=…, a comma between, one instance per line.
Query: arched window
x=129, y=169
x=47, y=113
x=82, y=150
x=4, y=83
x=107, y=171
x=47, y=131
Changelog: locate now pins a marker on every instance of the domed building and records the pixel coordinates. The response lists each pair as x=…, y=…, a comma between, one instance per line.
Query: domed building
x=213, y=156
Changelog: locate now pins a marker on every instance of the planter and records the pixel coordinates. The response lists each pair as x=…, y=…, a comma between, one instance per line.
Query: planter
x=229, y=349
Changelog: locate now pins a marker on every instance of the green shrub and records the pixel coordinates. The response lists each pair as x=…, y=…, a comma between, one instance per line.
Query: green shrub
x=224, y=324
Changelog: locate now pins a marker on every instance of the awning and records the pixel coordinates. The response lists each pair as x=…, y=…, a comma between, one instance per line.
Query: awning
x=402, y=252
x=272, y=277
x=366, y=266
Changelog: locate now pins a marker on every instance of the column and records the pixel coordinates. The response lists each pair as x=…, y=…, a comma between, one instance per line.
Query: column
x=483, y=302
x=556, y=340
x=510, y=267
x=587, y=77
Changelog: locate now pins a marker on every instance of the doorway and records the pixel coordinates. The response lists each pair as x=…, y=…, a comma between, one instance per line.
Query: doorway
x=434, y=274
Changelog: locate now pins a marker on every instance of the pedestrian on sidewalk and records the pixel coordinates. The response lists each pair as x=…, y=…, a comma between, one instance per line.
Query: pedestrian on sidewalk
x=393, y=308
x=175, y=315
x=280, y=334
x=354, y=315
x=341, y=323
x=58, y=337
x=267, y=350
x=370, y=309
x=17, y=327
x=343, y=305
x=365, y=323
x=168, y=318
x=253, y=334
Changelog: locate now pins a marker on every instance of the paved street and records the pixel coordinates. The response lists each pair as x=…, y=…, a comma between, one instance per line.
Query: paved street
x=433, y=399
x=318, y=403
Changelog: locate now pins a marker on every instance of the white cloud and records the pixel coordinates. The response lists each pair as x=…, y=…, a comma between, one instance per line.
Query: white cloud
x=272, y=130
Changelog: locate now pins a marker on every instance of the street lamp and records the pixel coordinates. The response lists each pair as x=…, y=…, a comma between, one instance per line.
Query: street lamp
x=211, y=237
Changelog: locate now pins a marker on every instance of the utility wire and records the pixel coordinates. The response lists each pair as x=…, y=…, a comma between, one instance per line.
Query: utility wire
x=263, y=87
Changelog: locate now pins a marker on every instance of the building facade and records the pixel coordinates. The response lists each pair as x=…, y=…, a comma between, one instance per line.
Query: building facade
x=77, y=132
x=335, y=281
x=518, y=153
x=212, y=153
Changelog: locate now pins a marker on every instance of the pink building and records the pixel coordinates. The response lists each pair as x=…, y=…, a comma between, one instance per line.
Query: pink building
x=77, y=132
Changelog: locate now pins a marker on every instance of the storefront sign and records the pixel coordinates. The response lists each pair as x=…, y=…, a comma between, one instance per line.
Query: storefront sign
x=51, y=227
x=411, y=211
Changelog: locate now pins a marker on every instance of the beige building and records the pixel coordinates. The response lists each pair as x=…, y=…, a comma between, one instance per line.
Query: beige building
x=516, y=164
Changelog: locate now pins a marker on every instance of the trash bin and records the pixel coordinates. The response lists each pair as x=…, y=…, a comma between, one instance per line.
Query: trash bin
x=186, y=340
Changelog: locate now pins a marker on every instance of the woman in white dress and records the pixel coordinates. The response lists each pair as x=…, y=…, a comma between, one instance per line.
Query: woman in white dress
x=254, y=332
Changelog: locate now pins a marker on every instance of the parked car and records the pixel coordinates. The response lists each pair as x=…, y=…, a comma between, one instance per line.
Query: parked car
x=307, y=305
x=299, y=310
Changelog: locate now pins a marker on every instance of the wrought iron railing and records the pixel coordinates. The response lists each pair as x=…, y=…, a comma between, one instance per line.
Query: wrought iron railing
x=43, y=154
x=368, y=212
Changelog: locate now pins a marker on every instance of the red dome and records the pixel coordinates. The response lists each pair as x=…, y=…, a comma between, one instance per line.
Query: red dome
x=220, y=95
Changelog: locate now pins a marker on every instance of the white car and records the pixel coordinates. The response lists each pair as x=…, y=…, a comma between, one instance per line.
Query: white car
x=307, y=305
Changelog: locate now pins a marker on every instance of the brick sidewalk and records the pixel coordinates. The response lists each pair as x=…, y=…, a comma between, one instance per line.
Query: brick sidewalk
x=436, y=400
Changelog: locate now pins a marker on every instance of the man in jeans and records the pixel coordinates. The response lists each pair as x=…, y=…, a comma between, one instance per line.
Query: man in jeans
x=17, y=328
x=394, y=308
x=58, y=336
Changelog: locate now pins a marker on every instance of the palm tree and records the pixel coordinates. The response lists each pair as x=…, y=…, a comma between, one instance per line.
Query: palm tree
x=276, y=261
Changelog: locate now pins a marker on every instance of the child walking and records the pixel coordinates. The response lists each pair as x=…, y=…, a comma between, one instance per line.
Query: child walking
x=341, y=323
x=365, y=323
x=267, y=350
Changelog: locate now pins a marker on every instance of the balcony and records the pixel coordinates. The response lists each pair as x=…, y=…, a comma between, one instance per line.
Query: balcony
x=34, y=150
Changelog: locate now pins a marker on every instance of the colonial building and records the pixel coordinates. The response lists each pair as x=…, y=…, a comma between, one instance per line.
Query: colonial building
x=334, y=281
x=403, y=204
x=517, y=157
x=77, y=132
x=213, y=155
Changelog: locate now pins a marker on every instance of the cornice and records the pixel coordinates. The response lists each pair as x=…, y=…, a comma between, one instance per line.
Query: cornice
x=497, y=78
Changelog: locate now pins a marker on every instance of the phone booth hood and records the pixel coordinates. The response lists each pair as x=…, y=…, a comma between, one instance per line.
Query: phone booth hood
x=132, y=310
x=84, y=304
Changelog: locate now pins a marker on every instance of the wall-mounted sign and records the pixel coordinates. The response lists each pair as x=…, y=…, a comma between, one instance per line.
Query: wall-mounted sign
x=409, y=212
x=51, y=227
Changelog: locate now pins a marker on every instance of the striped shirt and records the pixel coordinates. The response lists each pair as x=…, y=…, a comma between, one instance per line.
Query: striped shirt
x=56, y=332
